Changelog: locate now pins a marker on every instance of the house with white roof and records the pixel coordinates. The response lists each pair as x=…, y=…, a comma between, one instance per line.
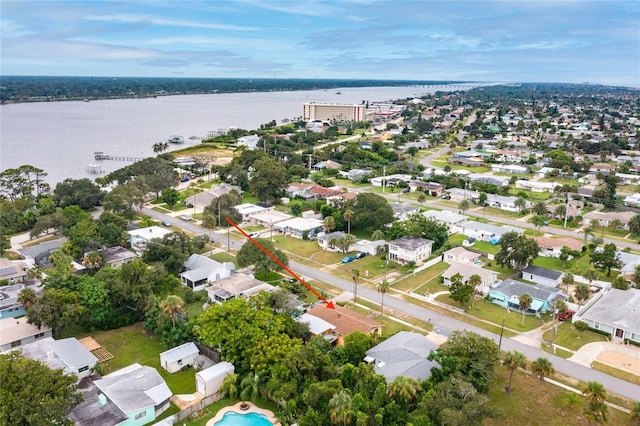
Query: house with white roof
x=247, y=209
x=138, y=238
x=250, y=141
x=451, y=220
x=535, y=185
x=486, y=231
x=488, y=278
x=300, y=227
x=200, y=270
x=209, y=381
x=617, y=312
x=632, y=200
x=15, y=332
x=403, y=354
x=13, y=271
x=268, y=218
x=68, y=354
x=605, y=218
x=9, y=295
x=509, y=168
x=409, y=249
x=236, y=285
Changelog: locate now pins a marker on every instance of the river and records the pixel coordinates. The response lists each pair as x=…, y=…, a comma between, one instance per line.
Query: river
x=61, y=137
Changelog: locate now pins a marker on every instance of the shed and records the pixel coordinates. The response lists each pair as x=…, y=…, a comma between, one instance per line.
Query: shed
x=176, y=358
x=209, y=381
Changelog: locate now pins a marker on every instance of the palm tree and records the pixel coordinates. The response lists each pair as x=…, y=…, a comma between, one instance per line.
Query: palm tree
x=348, y=240
x=421, y=199
x=587, y=231
x=464, y=205
x=92, y=261
x=348, y=217
x=383, y=288
x=590, y=275
x=542, y=367
x=570, y=399
x=539, y=209
x=356, y=281
x=567, y=280
x=521, y=204
x=582, y=294
x=172, y=307
x=250, y=387
x=27, y=298
x=635, y=414
x=525, y=301
x=333, y=242
x=230, y=385
x=560, y=211
x=634, y=224
x=596, y=409
x=329, y=224
x=538, y=222
x=513, y=360
x=341, y=408
x=474, y=281
x=616, y=225
x=404, y=387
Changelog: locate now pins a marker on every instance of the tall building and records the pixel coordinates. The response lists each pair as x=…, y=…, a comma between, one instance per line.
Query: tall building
x=330, y=112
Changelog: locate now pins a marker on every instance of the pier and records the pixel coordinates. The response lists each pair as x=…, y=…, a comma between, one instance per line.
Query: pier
x=99, y=155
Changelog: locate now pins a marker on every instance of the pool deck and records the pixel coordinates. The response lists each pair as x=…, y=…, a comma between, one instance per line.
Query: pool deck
x=236, y=408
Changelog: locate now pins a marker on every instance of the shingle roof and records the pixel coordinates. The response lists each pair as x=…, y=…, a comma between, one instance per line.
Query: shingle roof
x=410, y=243
x=345, y=320
x=543, y=272
x=618, y=308
x=403, y=354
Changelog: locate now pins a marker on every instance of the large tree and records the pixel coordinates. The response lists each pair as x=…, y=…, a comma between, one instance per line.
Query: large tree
x=516, y=251
x=33, y=394
x=417, y=225
x=268, y=180
x=607, y=258
x=460, y=291
x=371, y=212
x=250, y=254
x=80, y=192
x=472, y=355
x=222, y=207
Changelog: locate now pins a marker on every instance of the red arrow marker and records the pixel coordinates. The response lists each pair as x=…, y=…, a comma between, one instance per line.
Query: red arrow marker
x=329, y=303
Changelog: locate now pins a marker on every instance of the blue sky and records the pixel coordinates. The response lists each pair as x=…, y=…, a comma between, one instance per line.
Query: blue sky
x=560, y=41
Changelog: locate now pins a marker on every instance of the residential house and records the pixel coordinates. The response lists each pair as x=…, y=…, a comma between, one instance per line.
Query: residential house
x=346, y=321
x=551, y=247
x=324, y=239
x=453, y=221
x=605, y=218
x=203, y=199
x=138, y=238
x=236, y=285
x=13, y=271
x=402, y=211
x=9, y=294
x=603, y=168
x=489, y=179
x=535, y=185
x=511, y=156
x=268, y=218
x=507, y=203
x=39, y=254
x=340, y=199
x=486, y=231
x=319, y=327
x=356, y=175
x=390, y=180
x=175, y=359
x=15, y=332
x=542, y=276
x=117, y=256
x=433, y=189
x=507, y=292
x=462, y=255
x=300, y=227
x=617, y=313
x=403, y=354
x=459, y=194
x=488, y=278
x=199, y=271
x=251, y=141
x=544, y=172
x=468, y=162
x=321, y=193
x=409, y=249
x=328, y=164
x=68, y=354
x=372, y=248
x=247, y=209
x=509, y=168
x=134, y=395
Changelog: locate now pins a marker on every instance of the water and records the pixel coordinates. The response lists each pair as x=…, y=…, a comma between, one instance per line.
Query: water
x=250, y=419
x=61, y=137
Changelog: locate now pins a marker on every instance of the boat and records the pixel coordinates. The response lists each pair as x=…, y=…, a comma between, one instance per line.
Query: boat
x=175, y=139
x=338, y=93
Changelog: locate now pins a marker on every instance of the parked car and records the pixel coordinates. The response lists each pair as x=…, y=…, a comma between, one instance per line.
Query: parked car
x=166, y=223
x=186, y=217
x=360, y=255
x=348, y=259
x=254, y=234
x=468, y=242
x=406, y=190
x=566, y=316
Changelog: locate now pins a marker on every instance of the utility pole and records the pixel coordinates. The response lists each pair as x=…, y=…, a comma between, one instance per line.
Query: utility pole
x=384, y=175
x=566, y=208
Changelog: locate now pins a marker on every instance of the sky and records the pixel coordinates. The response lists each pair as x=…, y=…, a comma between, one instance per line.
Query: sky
x=491, y=41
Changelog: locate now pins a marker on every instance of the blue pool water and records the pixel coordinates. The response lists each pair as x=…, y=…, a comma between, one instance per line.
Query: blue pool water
x=250, y=419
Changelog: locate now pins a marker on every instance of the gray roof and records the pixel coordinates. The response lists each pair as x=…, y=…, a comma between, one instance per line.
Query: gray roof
x=444, y=216
x=617, y=308
x=403, y=354
x=400, y=208
x=134, y=388
x=543, y=272
x=512, y=288
x=410, y=243
x=34, y=251
x=336, y=234
x=72, y=353
x=487, y=227
x=221, y=369
x=179, y=352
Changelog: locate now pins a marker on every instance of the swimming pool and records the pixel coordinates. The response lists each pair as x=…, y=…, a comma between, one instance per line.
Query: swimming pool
x=250, y=419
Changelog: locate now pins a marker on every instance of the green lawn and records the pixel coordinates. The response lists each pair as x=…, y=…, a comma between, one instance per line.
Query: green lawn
x=295, y=245
x=491, y=312
x=503, y=273
x=133, y=344
x=369, y=266
x=568, y=337
x=483, y=246
x=223, y=257
x=423, y=281
x=615, y=372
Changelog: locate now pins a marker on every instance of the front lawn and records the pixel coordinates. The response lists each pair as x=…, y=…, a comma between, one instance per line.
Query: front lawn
x=568, y=337
x=423, y=281
x=513, y=319
x=296, y=246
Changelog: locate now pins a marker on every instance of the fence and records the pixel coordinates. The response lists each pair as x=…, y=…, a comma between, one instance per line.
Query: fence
x=200, y=405
x=428, y=264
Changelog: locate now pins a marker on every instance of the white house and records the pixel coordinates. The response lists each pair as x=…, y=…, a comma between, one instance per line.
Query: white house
x=451, y=220
x=542, y=276
x=299, y=227
x=605, y=218
x=536, y=186
x=552, y=247
x=246, y=210
x=488, y=278
x=462, y=255
x=324, y=238
x=632, y=200
x=15, y=332
x=236, y=285
x=68, y=354
x=409, y=249
x=616, y=313
x=200, y=271
x=138, y=238
x=509, y=168
x=251, y=141
x=175, y=359
x=209, y=381
x=485, y=231
x=402, y=211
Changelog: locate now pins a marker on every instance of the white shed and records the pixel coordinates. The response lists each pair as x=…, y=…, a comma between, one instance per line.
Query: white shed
x=209, y=381
x=176, y=358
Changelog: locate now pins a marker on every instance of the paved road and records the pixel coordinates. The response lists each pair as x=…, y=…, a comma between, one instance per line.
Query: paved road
x=442, y=323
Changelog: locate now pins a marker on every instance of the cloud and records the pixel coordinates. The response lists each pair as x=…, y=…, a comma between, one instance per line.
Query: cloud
x=154, y=20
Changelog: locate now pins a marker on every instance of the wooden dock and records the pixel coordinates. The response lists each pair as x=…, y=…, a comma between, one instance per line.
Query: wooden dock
x=99, y=155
